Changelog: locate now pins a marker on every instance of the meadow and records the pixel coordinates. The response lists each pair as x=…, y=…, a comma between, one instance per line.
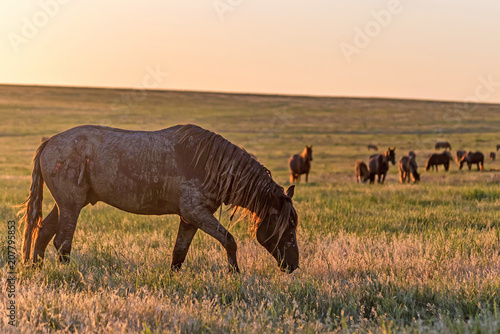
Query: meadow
x=374, y=258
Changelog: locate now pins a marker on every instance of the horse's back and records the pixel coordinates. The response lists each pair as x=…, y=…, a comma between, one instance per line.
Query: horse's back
x=132, y=170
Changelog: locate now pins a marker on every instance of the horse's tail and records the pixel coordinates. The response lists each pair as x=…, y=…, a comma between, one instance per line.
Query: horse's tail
x=32, y=207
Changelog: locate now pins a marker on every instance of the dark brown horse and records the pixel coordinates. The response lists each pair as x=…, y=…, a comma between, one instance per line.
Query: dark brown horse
x=183, y=170
x=362, y=172
x=300, y=164
x=493, y=156
x=442, y=144
x=459, y=155
x=408, y=168
x=498, y=147
x=473, y=158
x=372, y=147
x=437, y=159
x=379, y=164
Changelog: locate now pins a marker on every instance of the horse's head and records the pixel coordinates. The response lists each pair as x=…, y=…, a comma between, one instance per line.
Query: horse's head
x=309, y=152
x=391, y=155
x=463, y=160
x=277, y=233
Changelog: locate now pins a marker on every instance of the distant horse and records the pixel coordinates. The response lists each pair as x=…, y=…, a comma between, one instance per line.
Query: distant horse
x=362, y=172
x=412, y=154
x=493, y=156
x=498, y=147
x=408, y=167
x=379, y=164
x=473, y=158
x=183, y=170
x=43, y=139
x=372, y=147
x=442, y=144
x=459, y=155
x=300, y=164
x=437, y=159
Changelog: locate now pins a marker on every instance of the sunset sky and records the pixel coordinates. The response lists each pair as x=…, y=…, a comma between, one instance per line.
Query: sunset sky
x=446, y=49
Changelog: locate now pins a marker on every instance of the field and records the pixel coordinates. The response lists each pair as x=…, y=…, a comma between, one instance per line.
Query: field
x=380, y=258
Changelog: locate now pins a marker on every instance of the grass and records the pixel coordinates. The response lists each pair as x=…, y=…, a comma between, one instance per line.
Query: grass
x=391, y=258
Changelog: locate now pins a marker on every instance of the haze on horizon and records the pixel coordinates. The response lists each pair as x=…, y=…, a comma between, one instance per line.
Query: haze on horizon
x=395, y=48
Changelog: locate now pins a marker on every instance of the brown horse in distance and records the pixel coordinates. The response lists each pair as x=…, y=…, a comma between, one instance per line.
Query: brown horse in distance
x=442, y=144
x=498, y=147
x=473, y=158
x=183, y=170
x=493, y=156
x=408, y=168
x=437, y=159
x=362, y=172
x=300, y=164
x=372, y=147
x=379, y=164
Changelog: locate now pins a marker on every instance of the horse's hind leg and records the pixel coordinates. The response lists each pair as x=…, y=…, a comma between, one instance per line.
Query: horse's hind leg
x=68, y=217
x=185, y=235
x=45, y=234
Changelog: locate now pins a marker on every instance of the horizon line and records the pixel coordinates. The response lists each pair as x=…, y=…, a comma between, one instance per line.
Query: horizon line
x=248, y=93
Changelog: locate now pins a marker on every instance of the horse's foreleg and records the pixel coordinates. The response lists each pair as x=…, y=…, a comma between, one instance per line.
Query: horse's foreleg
x=307, y=177
x=65, y=231
x=185, y=235
x=45, y=234
x=383, y=177
x=205, y=221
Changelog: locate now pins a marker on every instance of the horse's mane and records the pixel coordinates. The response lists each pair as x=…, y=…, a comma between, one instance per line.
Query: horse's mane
x=235, y=177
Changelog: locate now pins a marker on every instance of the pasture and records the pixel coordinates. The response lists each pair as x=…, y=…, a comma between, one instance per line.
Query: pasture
x=374, y=258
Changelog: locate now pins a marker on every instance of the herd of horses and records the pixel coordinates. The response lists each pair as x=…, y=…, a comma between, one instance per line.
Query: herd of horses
x=378, y=164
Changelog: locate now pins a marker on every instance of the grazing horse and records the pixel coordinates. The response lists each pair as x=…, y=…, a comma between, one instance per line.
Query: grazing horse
x=459, y=155
x=442, y=144
x=372, y=147
x=183, y=170
x=408, y=167
x=379, y=164
x=473, y=158
x=362, y=172
x=437, y=159
x=498, y=147
x=493, y=156
x=300, y=164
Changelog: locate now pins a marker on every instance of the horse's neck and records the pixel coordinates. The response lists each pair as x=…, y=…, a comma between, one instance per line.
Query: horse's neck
x=305, y=155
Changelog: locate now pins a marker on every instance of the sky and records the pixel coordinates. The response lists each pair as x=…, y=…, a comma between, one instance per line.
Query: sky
x=418, y=49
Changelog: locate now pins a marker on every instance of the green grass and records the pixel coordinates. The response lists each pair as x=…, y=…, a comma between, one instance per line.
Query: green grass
x=391, y=258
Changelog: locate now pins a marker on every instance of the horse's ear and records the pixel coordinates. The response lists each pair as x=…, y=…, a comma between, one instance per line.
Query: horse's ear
x=290, y=191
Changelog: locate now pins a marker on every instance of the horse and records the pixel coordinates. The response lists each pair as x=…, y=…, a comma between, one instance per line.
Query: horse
x=473, y=158
x=300, y=164
x=362, y=172
x=408, y=167
x=459, y=155
x=437, y=159
x=442, y=144
x=184, y=170
x=379, y=164
x=493, y=156
x=42, y=139
x=413, y=155
x=372, y=147
x=498, y=147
